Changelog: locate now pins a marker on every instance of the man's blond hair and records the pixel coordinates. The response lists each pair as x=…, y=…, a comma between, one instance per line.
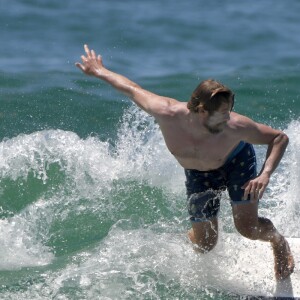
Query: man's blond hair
x=209, y=95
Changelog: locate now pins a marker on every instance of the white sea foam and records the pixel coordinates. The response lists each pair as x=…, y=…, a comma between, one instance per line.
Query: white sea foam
x=90, y=166
x=21, y=240
x=135, y=259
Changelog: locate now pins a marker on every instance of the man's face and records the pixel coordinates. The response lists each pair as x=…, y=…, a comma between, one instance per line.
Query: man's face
x=217, y=121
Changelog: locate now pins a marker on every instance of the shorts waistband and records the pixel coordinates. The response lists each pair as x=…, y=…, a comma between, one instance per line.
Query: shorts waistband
x=235, y=152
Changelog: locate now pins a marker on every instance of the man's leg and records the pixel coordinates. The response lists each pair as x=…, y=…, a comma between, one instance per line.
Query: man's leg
x=203, y=203
x=204, y=234
x=253, y=227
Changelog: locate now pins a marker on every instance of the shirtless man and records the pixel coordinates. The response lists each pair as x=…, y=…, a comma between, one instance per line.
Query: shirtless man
x=214, y=146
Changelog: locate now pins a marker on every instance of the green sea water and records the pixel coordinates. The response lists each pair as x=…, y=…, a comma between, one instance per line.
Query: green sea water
x=92, y=204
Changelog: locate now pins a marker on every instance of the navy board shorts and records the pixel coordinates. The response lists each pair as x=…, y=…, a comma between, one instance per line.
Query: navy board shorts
x=204, y=188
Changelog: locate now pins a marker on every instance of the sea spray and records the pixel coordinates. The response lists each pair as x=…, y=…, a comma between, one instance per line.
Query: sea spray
x=103, y=219
x=286, y=185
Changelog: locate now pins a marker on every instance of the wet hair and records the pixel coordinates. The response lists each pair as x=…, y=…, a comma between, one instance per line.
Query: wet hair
x=209, y=95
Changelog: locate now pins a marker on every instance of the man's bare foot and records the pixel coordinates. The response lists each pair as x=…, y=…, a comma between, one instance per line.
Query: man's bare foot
x=284, y=261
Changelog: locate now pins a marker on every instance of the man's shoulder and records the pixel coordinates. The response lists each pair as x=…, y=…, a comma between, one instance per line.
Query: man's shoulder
x=240, y=120
x=240, y=125
x=174, y=108
x=237, y=116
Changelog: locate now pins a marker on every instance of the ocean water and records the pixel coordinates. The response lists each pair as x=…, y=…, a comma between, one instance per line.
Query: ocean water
x=92, y=204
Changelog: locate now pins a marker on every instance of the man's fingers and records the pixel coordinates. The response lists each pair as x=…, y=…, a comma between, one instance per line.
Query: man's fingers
x=90, y=61
x=261, y=192
x=253, y=192
x=80, y=66
x=255, y=189
x=250, y=189
x=246, y=193
x=246, y=188
x=89, y=54
x=83, y=58
x=87, y=50
x=93, y=54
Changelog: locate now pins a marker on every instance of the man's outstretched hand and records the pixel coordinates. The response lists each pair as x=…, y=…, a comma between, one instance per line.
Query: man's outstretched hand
x=91, y=63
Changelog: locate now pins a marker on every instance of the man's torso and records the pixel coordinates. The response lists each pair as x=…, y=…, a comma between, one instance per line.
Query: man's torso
x=194, y=150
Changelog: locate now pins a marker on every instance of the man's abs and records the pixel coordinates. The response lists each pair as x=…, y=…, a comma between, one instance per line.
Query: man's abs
x=211, y=160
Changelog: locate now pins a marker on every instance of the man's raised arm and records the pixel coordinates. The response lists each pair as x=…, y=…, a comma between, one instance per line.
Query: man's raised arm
x=151, y=103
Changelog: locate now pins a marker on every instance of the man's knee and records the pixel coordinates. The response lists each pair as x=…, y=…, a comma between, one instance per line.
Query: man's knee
x=247, y=230
x=246, y=220
x=249, y=233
